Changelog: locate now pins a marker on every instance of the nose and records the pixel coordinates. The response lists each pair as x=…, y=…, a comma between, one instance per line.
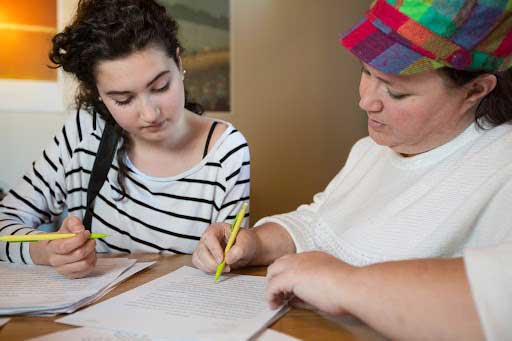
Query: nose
x=149, y=112
x=369, y=92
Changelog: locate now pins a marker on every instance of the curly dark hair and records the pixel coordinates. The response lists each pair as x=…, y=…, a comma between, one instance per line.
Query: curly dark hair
x=107, y=30
x=495, y=108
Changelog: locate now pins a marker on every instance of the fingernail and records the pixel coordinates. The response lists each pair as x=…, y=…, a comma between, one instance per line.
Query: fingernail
x=76, y=228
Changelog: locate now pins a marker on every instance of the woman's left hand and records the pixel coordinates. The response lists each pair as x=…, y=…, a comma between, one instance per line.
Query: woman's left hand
x=311, y=278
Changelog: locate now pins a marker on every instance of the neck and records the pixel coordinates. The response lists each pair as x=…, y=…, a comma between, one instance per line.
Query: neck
x=441, y=139
x=176, y=137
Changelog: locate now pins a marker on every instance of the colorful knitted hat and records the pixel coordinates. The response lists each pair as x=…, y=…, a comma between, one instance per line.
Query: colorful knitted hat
x=410, y=36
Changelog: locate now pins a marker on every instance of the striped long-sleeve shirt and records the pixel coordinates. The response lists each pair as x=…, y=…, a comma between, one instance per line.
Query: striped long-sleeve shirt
x=159, y=215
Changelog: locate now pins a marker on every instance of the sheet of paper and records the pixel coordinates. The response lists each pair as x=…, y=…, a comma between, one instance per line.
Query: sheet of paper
x=185, y=304
x=72, y=308
x=3, y=321
x=125, y=275
x=93, y=334
x=90, y=334
x=31, y=288
x=272, y=335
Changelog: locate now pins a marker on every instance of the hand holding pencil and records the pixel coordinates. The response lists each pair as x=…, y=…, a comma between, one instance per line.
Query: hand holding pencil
x=73, y=257
x=234, y=232
x=211, y=250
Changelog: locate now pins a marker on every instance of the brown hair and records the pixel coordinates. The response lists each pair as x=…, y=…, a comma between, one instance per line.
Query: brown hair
x=107, y=30
x=495, y=108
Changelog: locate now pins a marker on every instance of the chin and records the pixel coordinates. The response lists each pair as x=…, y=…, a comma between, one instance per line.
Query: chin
x=379, y=138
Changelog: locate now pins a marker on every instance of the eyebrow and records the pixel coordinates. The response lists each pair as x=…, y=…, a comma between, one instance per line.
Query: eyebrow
x=385, y=81
x=114, y=92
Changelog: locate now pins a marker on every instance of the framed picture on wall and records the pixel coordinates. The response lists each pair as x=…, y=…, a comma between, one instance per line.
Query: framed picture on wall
x=205, y=35
x=26, y=82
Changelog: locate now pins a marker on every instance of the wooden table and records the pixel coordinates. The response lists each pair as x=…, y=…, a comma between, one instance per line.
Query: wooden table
x=302, y=324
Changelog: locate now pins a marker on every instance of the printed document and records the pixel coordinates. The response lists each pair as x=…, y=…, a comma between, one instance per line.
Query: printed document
x=40, y=290
x=93, y=334
x=185, y=304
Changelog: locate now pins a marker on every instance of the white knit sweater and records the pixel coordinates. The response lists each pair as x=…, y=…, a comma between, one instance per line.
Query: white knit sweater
x=382, y=206
x=490, y=276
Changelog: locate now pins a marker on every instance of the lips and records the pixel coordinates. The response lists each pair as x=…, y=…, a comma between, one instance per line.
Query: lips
x=155, y=125
x=375, y=124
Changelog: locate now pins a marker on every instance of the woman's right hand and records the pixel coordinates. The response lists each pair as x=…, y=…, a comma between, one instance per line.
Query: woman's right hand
x=210, y=250
x=72, y=257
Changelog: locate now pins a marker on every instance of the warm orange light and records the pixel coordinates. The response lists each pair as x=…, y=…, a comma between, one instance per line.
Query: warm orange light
x=26, y=29
x=29, y=12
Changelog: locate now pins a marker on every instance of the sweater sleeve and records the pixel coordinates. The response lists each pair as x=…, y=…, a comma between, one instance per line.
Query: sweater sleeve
x=40, y=195
x=299, y=223
x=236, y=176
x=490, y=278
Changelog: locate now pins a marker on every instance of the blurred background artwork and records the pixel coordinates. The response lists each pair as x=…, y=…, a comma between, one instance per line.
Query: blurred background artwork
x=205, y=35
x=26, y=81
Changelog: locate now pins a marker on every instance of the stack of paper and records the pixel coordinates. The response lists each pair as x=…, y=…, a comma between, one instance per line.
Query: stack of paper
x=185, y=305
x=88, y=334
x=40, y=290
x=3, y=321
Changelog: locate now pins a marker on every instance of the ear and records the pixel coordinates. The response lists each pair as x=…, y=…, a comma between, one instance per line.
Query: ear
x=480, y=87
x=178, y=57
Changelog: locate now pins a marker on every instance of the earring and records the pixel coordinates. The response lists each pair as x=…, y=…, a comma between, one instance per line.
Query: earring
x=183, y=75
x=100, y=99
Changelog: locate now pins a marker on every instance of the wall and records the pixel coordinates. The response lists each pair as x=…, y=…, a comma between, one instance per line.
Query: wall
x=23, y=135
x=294, y=97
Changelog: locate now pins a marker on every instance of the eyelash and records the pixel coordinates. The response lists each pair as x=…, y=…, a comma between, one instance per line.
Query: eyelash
x=127, y=101
x=390, y=93
x=395, y=95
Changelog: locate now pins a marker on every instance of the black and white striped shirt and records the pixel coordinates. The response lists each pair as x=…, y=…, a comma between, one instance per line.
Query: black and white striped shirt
x=159, y=215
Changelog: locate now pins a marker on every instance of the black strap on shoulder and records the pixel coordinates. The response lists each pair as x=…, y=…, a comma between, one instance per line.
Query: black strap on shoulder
x=102, y=163
x=210, y=133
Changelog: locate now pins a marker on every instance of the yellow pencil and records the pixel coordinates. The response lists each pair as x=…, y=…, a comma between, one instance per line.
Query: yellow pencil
x=45, y=236
x=234, y=231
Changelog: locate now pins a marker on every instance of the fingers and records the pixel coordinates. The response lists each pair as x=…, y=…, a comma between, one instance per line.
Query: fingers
x=234, y=255
x=300, y=304
x=239, y=253
x=73, y=257
x=214, y=239
x=279, y=290
x=209, y=252
x=57, y=259
x=280, y=265
x=66, y=246
x=280, y=285
x=78, y=269
x=203, y=259
x=71, y=224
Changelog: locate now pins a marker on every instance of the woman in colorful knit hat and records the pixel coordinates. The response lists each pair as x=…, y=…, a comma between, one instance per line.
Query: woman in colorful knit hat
x=433, y=179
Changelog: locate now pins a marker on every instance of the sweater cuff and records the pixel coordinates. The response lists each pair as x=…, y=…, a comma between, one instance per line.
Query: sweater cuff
x=296, y=226
x=490, y=279
x=25, y=247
